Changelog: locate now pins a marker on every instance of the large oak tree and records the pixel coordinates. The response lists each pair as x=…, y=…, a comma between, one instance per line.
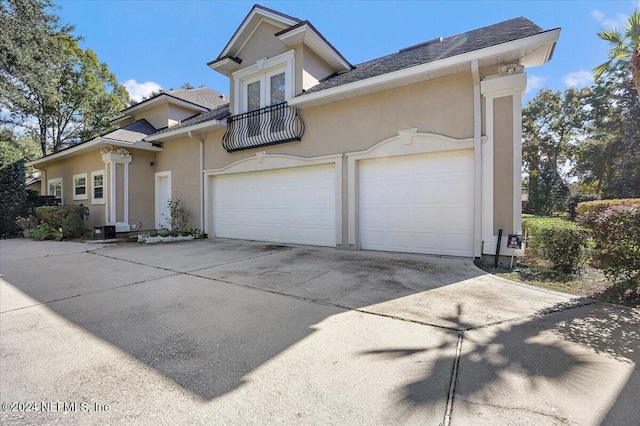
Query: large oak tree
x=50, y=87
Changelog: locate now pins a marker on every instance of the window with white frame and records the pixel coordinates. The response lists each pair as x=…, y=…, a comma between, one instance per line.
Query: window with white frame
x=97, y=187
x=268, y=82
x=55, y=189
x=80, y=186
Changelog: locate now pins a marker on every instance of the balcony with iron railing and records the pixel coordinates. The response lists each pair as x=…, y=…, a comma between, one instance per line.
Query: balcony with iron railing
x=265, y=126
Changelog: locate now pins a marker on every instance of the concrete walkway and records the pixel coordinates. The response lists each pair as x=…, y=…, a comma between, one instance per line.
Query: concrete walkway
x=221, y=331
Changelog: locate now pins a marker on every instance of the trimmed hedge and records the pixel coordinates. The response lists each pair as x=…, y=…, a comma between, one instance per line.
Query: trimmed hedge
x=68, y=220
x=596, y=207
x=615, y=228
x=559, y=241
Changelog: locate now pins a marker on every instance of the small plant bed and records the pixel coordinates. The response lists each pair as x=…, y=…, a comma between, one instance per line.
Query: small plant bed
x=166, y=237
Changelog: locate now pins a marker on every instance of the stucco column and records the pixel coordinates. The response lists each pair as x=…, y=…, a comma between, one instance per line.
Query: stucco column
x=502, y=159
x=116, y=162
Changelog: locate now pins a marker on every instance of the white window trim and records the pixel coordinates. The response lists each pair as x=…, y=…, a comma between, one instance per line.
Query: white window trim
x=86, y=187
x=93, y=199
x=56, y=180
x=259, y=71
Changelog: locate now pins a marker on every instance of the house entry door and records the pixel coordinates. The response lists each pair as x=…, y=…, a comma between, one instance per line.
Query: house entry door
x=163, y=195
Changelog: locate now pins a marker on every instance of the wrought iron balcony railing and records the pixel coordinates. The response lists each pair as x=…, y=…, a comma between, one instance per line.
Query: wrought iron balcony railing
x=265, y=126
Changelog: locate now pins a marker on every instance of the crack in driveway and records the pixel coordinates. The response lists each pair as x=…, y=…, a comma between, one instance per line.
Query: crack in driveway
x=527, y=410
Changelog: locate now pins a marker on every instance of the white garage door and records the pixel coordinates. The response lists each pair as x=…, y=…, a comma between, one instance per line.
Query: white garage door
x=418, y=204
x=295, y=205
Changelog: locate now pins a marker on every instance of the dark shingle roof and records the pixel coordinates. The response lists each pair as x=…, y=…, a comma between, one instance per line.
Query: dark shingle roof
x=202, y=96
x=469, y=41
x=131, y=133
x=219, y=113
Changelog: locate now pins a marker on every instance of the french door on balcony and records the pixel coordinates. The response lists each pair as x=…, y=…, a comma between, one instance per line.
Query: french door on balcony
x=261, y=91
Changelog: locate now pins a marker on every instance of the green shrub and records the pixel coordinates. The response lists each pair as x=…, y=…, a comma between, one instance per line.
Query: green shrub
x=559, y=241
x=72, y=226
x=27, y=223
x=574, y=200
x=12, y=197
x=589, y=211
x=533, y=225
x=566, y=248
x=44, y=231
x=68, y=220
x=54, y=215
x=615, y=228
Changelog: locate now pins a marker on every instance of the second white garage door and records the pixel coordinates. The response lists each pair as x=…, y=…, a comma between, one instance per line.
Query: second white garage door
x=295, y=205
x=418, y=204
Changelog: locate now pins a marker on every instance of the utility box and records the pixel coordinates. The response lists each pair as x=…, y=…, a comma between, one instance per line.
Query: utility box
x=107, y=232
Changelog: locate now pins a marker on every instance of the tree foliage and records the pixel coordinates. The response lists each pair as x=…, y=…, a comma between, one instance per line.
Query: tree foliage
x=588, y=138
x=53, y=89
x=14, y=147
x=625, y=46
x=552, y=125
x=607, y=162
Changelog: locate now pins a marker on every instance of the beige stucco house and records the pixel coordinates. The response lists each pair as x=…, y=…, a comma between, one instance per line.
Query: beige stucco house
x=417, y=151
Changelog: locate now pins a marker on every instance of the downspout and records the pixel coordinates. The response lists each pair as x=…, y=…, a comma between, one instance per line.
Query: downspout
x=477, y=160
x=191, y=136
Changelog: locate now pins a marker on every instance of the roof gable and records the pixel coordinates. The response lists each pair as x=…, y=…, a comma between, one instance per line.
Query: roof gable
x=290, y=31
x=256, y=15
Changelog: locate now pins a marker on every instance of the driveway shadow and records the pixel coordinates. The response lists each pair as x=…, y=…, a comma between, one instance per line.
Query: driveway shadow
x=207, y=314
x=558, y=367
x=217, y=317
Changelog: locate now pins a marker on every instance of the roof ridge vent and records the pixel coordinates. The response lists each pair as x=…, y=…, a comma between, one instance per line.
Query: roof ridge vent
x=423, y=44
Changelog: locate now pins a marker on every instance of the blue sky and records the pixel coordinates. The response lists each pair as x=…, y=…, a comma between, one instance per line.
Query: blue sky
x=153, y=44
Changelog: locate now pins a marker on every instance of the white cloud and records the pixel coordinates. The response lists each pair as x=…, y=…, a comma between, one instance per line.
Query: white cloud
x=599, y=16
x=535, y=82
x=139, y=90
x=578, y=79
x=619, y=21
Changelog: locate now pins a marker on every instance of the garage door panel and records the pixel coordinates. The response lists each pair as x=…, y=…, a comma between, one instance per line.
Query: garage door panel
x=419, y=203
x=288, y=205
x=457, y=218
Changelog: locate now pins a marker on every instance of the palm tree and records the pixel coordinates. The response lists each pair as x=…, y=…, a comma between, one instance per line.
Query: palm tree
x=624, y=45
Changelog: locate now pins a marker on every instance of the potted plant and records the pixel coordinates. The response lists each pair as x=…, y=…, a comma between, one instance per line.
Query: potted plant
x=27, y=224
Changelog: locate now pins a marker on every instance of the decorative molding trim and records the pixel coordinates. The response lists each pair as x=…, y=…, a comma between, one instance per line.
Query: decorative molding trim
x=407, y=135
x=499, y=86
x=272, y=162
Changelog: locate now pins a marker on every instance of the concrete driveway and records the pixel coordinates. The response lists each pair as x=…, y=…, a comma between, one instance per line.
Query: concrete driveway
x=220, y=331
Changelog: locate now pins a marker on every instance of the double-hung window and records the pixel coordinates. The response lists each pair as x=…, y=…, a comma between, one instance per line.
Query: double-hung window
x=97, y=187
x=55, y=189
x=80, y=186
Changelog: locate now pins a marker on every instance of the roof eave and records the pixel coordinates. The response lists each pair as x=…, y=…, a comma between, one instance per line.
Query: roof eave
x=545, y=40
x=155, y=101
x=91, y=146
x=204, y=127
x=306, y=33
x=225, y=65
